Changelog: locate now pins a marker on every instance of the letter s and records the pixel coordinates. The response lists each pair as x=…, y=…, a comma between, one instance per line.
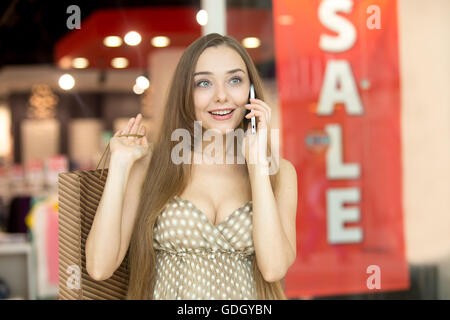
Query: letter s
x=329, y=18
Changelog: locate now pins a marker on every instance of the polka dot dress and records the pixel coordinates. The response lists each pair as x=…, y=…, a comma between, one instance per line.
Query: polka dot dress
x=196, y=259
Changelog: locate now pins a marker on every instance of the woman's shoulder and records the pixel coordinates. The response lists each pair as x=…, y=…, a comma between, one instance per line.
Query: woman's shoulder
x=287, y=167
x=287, y=173
x=286, y=186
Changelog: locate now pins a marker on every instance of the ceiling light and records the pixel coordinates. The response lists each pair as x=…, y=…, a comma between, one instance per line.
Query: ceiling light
x=80, y=63
x=160, y=41
x=5, y=127
x=66, y=82
x=119, y=62
x=112, y=41
x=137, y=89
x=65, y=62
x=251, y=42
x=132, y=38
x=202, y=17
x=142, y=82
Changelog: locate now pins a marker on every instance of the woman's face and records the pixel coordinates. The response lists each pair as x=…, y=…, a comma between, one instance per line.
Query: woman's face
x=221, y=85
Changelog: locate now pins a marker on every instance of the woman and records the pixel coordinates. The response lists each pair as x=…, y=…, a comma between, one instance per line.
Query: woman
x=200, y=230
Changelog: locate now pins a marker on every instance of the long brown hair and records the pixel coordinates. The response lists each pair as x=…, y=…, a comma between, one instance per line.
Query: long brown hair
x=164, y=179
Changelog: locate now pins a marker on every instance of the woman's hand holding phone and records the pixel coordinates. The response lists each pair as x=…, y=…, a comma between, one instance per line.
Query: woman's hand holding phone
x=256, y=144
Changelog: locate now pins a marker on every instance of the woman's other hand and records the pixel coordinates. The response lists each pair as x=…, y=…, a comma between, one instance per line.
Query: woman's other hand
x=136, y=148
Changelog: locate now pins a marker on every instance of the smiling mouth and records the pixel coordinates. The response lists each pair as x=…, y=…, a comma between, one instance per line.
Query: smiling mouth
x=221, y=113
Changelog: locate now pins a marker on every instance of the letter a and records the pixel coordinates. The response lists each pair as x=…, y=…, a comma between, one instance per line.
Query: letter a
x=339, y=72
x=73, y=21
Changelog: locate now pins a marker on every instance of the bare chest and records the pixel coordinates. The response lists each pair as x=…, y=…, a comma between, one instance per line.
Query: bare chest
x=218, y=192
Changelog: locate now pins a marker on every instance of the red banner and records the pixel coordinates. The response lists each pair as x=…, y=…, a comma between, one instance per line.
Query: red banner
x=338, y=83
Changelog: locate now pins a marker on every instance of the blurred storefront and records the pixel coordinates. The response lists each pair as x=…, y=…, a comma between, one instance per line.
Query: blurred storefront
x=358, y=89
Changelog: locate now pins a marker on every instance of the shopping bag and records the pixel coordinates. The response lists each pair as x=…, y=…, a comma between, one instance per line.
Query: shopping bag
x=79, y=194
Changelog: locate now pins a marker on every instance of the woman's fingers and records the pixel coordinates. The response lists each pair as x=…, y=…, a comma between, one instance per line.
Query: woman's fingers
x=136, y=124
x=143, y=141
x=255, y=113
x=263, y=116
x=261, y=105
x=255, y=107
x=128, y=127
x=135, y=127
x=259, y=108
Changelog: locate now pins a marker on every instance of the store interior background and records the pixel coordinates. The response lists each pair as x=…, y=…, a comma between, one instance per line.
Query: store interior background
x=63, y=130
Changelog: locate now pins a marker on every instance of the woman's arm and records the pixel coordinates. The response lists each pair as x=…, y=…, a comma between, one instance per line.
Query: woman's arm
x=111, y=230
x=104, y=240
x=274, y=220
x=130, y=205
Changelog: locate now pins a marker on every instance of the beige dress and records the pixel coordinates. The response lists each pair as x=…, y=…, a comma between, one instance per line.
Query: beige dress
x=199, y=260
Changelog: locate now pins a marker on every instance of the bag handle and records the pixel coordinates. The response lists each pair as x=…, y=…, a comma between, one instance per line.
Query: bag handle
x=107, y=151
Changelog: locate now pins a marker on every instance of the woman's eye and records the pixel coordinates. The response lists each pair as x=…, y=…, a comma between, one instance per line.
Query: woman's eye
x=200, y=82
x=237, y=78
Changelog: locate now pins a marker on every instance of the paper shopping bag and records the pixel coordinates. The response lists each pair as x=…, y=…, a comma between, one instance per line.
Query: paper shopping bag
x=79, y=194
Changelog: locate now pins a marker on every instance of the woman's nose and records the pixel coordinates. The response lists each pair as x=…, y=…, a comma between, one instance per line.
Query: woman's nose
x=221, y=94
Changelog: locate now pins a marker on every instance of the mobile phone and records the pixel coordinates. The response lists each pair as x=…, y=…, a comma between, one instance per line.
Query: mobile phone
x=252, y=96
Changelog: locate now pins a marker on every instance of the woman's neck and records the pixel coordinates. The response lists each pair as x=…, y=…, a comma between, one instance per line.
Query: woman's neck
x=219, y=152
